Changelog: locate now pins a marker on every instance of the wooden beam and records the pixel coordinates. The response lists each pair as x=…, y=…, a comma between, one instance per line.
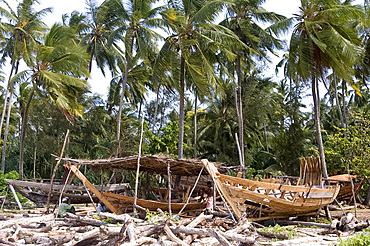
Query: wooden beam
x=91, y=187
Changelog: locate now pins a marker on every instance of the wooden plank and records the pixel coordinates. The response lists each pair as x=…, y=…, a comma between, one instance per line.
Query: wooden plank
x=91, y=187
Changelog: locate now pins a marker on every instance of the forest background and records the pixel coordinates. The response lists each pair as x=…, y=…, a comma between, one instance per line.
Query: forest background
x=203, y=81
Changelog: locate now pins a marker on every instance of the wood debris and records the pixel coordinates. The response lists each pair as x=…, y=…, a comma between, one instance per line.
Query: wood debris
x=93, y=229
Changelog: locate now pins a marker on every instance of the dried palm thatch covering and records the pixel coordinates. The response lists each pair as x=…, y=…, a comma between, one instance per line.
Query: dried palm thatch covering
x=148, y=163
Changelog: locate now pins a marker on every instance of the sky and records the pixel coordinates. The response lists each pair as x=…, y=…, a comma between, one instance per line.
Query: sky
x=98, y=83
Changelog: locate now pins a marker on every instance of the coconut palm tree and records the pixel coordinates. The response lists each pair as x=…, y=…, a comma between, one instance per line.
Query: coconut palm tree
x=190, y=50
x=137, y=20
x=21, y=30
x=244, y=19
x=55, y=71
x=325, y=37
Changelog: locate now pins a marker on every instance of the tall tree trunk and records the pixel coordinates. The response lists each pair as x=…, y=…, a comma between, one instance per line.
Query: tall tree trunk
x=156, y=110
x=7, y=121
x=337, y=101
x=181, y=110
x=6, y=97
x=90, y=61
x=239, y=107
x=124, y=83
x=195, y=124
x=23, y=133
x=6, y=132
x=344, y=93
x=316, y=104
x=140, y=107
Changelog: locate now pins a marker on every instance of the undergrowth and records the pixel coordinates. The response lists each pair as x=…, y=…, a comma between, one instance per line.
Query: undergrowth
x=281, y=230
x=358, y=240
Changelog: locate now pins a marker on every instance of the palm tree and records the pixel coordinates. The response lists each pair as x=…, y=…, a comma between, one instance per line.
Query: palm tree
x=20, y=32
x=244, y=18
x=55, y=72
x=136, y=19
x=190, y=51
x=324, y=38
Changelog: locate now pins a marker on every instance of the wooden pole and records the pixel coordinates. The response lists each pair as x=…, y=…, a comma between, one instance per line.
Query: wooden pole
x=353, y=190
x=169, y=188
x=61, y=193
x=191, y=192
x=15, y=197
x=6, y=193
x=34, y=165
x=138, y=162
x=55, y=170
x=91, y=187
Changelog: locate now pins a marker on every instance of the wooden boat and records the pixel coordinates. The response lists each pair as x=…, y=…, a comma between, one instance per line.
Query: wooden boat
x=263, y=199
x=124, y=204
x=38, y=192
x=118, y=203
x=345, y=192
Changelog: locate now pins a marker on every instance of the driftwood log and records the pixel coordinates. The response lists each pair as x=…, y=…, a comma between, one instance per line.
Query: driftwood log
x=207, y=233
x=272, y=235
x=29, y=220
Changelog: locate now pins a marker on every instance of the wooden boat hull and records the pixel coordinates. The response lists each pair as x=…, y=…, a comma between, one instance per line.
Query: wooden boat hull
x=124, y=204
x=38, y=192
x=345, y=192
x=260, y=199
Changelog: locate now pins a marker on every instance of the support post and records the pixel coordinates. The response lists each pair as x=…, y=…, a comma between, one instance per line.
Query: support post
x=55, y=170
x=15, y=196
x=138, y=162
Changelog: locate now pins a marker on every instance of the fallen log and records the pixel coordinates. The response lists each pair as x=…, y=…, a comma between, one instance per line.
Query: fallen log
x=173, y=236
x=303, y=223
x=83, y=236
x=6, y=242
x=85, y=220
x=141, y=241
x=10, y=223
x=272, y=235
x=199, y=220
x=335, y=208
x=15, y=236
x=221, y=239
x=207, y=233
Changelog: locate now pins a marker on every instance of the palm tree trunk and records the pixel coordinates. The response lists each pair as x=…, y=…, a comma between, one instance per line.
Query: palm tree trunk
x=239, y=108
x=23, y=134
x=90, y=61
x=195, y=125
x=337, y=102
x=156, y=110
x=316, y=103
x=7, y=122
x=6, y=97
x=6, y=132
x=181, y=110
x=124, y=83
x=344, y=92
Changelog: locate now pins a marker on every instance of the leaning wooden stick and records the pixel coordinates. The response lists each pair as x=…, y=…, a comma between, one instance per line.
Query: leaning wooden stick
x=138, y=163
x=55, y=170
x=191, y=192
x=169, y=188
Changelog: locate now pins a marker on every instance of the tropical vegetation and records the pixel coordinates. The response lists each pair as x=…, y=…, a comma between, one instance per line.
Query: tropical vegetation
x=199, y=73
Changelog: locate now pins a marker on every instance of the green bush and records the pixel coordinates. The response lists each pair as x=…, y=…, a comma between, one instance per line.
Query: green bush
x=358, y=240
x=10, y=175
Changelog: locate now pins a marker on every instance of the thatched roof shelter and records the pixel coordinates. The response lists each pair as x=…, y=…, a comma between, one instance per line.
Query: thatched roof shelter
x=148, y=163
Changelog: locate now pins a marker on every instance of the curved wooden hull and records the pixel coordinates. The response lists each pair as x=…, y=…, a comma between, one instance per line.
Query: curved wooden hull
x=124, y=204
x=269, y=199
